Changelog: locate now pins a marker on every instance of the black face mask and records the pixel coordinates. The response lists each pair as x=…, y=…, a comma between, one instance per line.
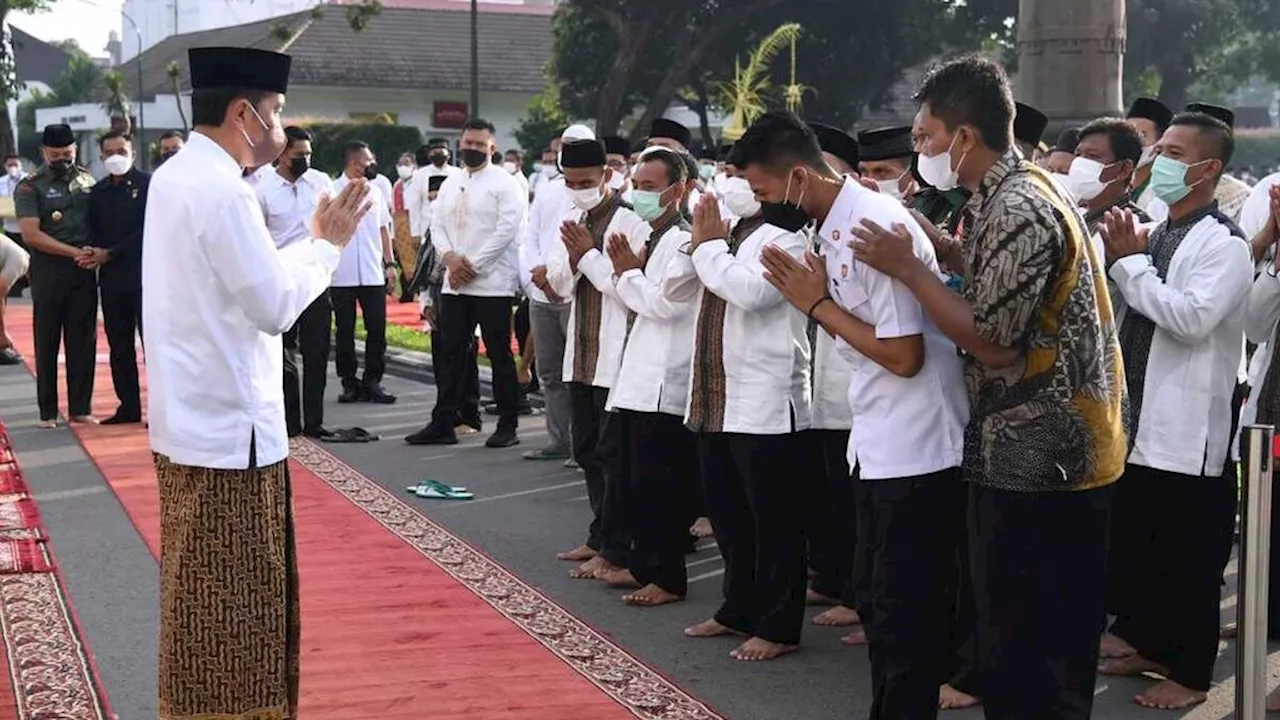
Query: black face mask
x=166, y=156
x=438, y=159
x=298, y=167
x=786, y=216
x=371, y=172
x=474, y=158
x=60, y=167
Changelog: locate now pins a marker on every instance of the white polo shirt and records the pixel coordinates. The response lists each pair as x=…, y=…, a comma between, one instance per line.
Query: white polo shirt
x=902, y=427
x=289, y=206
x=362, y=261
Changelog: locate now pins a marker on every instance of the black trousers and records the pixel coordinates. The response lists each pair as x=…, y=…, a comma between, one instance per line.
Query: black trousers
x=831, y=525
x=961, y=668
x=658, y=467
x=458, y=316
x=1038, y=564
x=65, y=310
x=907, y=529
x=757, y=509
x=595, y=447
x=1176, y=532
x=373, y=308
x=310, y=339
x=469, y=408
x=122, y=321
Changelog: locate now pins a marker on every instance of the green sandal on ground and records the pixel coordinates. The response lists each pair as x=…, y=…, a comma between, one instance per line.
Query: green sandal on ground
x=424, y=483
x=432, y=490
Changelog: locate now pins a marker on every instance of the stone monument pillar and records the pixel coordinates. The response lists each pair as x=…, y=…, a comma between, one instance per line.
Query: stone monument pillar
x=1071, y=59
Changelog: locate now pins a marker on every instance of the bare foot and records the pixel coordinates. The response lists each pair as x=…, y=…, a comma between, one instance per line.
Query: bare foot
x=1169, y=695
x=1115, y=647
x=620, y=578
x=49, y=424
x=84, y=420
x=701, y=528
x=1230, y=631
x=709, y=628
x=759, y=650
x=855, y=638
x=582, y=553
x=589, y=570
x=838, y=616
x=650, y=596
x=1273, y=701
x=950, y=698
x=812, y=597
x=1131, y=666
x=464, y=430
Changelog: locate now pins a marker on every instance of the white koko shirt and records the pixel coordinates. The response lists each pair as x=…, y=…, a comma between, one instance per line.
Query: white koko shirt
x=596, y=268
x=902, y=427
x=362, y=259
x=766, y=343
x=479, y=215
x=550, y=207
x=217, y=296
x=289, y=206
x=659, y=350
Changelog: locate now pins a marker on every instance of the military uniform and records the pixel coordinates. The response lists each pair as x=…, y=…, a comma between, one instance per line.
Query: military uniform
x=64, y=297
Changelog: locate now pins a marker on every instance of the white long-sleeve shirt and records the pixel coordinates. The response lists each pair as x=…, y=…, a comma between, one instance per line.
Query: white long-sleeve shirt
x=766, y=342
x=541, y=232
x=655, y=361
x=478, y=215
x=596, y=268
x=217, y=296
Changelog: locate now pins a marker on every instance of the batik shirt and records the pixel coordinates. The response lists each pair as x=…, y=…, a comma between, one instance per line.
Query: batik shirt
x=1055, y=419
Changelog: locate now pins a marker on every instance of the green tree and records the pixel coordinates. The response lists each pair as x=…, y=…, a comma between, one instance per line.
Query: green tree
x=116, y=103
x=545, y=120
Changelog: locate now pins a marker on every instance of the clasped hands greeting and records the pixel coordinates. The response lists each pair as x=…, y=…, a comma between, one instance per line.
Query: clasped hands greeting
x=92, y=258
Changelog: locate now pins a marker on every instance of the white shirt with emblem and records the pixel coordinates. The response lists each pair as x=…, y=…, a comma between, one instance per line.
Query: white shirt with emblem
x=902, y=427
x=479, y=215
x=289, y=206
x=217, y=296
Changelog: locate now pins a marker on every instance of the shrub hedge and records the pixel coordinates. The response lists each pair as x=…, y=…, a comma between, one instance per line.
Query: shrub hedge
x=386, y=142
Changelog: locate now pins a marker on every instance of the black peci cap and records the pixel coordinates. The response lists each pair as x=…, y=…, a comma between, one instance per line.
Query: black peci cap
x=615, y=145
x=582, y=154
x=837, y=142
x=1067, y=141
x=242, y=68
x=1150, y=109
x=1029, y=124
x=888, y=143
x=58, y=136
x=664, y=128
x=1214, y=111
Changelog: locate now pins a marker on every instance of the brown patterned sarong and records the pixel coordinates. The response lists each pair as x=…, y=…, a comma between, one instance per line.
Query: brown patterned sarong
x=229, y=622
x=588, y=303
x=707, y=395
x=406, y=245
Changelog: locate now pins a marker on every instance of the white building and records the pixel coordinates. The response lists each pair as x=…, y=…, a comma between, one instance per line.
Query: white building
x=156, y=20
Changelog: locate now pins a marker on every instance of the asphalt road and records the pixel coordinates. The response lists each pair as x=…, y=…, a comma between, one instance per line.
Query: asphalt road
x=524, y=513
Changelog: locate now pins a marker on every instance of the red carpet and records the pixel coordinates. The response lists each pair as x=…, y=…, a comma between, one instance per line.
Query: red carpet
x=388, y=632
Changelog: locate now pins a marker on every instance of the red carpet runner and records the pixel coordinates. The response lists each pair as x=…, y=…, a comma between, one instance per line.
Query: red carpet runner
x=400, y=618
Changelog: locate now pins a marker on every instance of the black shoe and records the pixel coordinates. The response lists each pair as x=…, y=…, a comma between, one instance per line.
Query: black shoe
x=293, y=431
x=350, y=394
x=503, y=438
x=124, y=417
x=9, y=356
x=431, y=435
x=376, y=395
x=318, y=433
x=525, y=408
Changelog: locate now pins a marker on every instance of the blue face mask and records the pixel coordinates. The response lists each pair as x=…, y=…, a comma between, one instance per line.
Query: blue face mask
x=648, y=204
x=1169, y=179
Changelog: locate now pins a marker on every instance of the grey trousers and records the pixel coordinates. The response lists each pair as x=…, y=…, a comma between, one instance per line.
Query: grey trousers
x=550, y=325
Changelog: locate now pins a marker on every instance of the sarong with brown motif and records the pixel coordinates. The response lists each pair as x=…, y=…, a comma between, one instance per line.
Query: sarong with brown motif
x=707, y=395
x=229, y=622
x=588, y=303
x=406, y=245
x=655, y=236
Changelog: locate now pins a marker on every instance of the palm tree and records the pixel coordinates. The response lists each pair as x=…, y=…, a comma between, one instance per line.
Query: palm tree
x=116, y=103
x=745, y=95
x=174, y=71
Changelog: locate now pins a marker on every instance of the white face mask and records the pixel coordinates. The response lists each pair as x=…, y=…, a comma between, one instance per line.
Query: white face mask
x=738, y=197
x=404, y=171
x=510, y=167
x=538, y=167
x=118, y=164
x=617, y=181
x=892, y=188
x=938, y=170
x=1148, y=156
x=14, y=172
x=1085, y=178
x=586, y=200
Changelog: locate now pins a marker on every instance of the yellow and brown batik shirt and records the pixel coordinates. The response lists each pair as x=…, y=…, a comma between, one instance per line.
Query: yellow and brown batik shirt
x=1055, y=419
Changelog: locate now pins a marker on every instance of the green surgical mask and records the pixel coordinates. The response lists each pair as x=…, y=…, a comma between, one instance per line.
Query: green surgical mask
x=707, y=171
x=1169, y=179
x=648, y=204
